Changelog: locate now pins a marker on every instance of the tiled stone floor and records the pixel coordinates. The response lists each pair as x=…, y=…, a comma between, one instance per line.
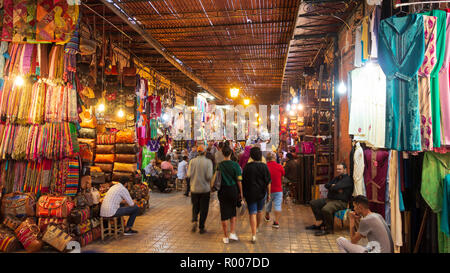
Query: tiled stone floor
x=166, y=227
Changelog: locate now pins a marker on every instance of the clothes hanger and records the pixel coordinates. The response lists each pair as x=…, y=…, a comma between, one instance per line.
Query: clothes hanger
x=401, y=13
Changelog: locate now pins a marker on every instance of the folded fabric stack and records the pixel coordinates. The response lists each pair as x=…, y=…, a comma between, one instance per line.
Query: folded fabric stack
x=125, y=161
x=104, y=155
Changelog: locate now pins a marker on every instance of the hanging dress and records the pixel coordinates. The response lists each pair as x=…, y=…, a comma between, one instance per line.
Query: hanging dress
x=444, y=90
x=375, y=172
x=429, y=61
x=440, y=52
x=400, y=54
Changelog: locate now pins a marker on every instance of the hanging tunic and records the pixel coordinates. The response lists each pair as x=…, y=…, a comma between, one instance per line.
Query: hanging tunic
x=435, y=168
x=358, y=171
x=444, y=89
x=394, y=197
x=375, y=170
x=440, y=52
x=358, y=47
x=400, y=54
x=428, y=64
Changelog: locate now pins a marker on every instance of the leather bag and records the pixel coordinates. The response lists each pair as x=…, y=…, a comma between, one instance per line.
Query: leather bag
x=117, y=175
x=11, y=222
x=97, y=178
x=87, y=133
x=125, y=167
x=56, y=237
x=125, y=158
x=106, y=138
x=126, y=149
x=43, y=223
x=86, y=152
x=54, y=206
x=8, y=242
x=105, y=149
x=107, y=168
x=125, y=136
x=28, y=235
x=79, y=215
x=104, y=158
x=88, y=141
x=18, y=204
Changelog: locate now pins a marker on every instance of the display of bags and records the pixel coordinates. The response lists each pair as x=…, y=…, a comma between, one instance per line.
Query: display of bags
x=106, y=139
x=90, y=142
x=79, y=215
x=87, y=133
x=86, y=153
x=8, y=242
x=11, y=222
x=97, y=178
x=85, y=239
x=104, y=158
x=43, y=223
x=125, y=158
x=53, y=206
x=88, y=119
x=126, y=149
x=125, y=167
x=105, y=149
x=125, y=136
x=80, y=229
x=107, y=168
x=118, y=175
x=18, y=204
x=28, y=234
x=56, y=237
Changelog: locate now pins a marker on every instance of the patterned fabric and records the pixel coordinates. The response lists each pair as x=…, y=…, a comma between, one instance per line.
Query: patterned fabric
x=7, y=32
x=73, y=177
x=401, y=53
x=428, y=64
x=444, y=90
x=45, y=23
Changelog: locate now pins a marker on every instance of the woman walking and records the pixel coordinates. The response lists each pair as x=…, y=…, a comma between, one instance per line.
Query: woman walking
x=256, y=188
x=230, y=193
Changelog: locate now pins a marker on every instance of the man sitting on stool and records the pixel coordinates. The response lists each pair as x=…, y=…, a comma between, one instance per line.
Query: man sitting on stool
x=111, y=205
x=340, y=190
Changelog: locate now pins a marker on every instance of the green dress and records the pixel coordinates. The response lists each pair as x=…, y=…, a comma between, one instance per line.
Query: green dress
x=441, y=25
x=435, y=168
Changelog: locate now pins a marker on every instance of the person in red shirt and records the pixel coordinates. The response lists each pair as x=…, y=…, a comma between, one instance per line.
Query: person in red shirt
x=276, y=190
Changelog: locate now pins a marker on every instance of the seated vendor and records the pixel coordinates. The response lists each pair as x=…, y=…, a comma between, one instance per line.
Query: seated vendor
x=111, y=205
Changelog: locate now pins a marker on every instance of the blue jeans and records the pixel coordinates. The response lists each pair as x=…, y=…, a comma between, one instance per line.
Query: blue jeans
x=132, y=212
x=257, y=206
x=276, y=198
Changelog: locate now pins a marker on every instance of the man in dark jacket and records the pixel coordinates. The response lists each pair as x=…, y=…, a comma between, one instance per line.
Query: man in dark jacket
x=340, y=190
x=291, y=168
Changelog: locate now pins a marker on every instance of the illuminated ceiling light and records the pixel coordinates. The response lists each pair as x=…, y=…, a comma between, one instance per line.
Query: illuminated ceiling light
x=101, y=107
x=272, y=117
x=121, y=113
x=288, y=107
x=291, y=113
x=342, y=88
x=19, y=81
x=246, y=102
x=300, y=106
x=256, y=115
x=294, y=106
x=234, y=92
x=295, y=100
x=259, y=120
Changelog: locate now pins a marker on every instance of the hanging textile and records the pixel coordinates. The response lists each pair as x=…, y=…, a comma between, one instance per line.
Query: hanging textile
x=155, y=106
x=375, y=171
x=435, y=168
x=358, y=171
x=426, y=131
x=444, y=89
x=445, y=215
x=374, y=25
x=394, y=190
x=401, y=53
x=365, y=39
x=153, y=128
x=358, y=47
x=7, y=32
x=368, y=105
x=440, y=54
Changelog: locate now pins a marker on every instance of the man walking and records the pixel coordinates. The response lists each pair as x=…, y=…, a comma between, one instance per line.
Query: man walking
x=200, y=172
x=276, y=191
x=340, y=190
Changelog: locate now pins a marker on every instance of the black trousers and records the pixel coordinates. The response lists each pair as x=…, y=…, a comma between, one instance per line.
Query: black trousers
x=324, y=210
x=188, y=185
x=200, y=205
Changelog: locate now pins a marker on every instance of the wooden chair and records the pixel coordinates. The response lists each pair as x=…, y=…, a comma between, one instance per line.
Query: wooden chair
x=113, y=227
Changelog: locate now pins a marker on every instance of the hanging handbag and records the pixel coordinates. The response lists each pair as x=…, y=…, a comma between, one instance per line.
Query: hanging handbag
x=43, y=223
x=97, y=178
x=125, y=167
x=125, y=158
x=56, y=237
x=87, y=133
x=105, y=149
x=79, y=215
x=107, y=168
x=28, y=234
x=18, y=204
x=104, y=158
x=8, y=242
x=53, y=206
x=11, y=222
x=126, y=149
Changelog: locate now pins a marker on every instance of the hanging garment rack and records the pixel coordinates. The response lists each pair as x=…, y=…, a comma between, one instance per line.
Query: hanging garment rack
x=421, y=3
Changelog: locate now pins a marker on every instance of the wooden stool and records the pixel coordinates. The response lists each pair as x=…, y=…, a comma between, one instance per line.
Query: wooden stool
x=112, y=228
x=179, y=184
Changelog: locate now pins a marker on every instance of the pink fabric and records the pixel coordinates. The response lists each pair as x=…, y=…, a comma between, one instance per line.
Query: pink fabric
x=244, y=158
x=444, y=90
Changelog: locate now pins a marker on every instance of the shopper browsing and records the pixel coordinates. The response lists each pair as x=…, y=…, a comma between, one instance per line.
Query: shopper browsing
x=276, y=189
x=340, y=190
x=200, y=171
x=182, y=169
x=230, y=193
x=256, y=188
x=111, y=205
x=371, y=226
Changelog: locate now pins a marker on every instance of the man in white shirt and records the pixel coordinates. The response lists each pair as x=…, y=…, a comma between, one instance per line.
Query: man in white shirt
x=111, y=205
x=182, y=169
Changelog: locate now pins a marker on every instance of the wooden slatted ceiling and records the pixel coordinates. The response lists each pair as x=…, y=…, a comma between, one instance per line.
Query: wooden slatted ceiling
x=224, y=42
